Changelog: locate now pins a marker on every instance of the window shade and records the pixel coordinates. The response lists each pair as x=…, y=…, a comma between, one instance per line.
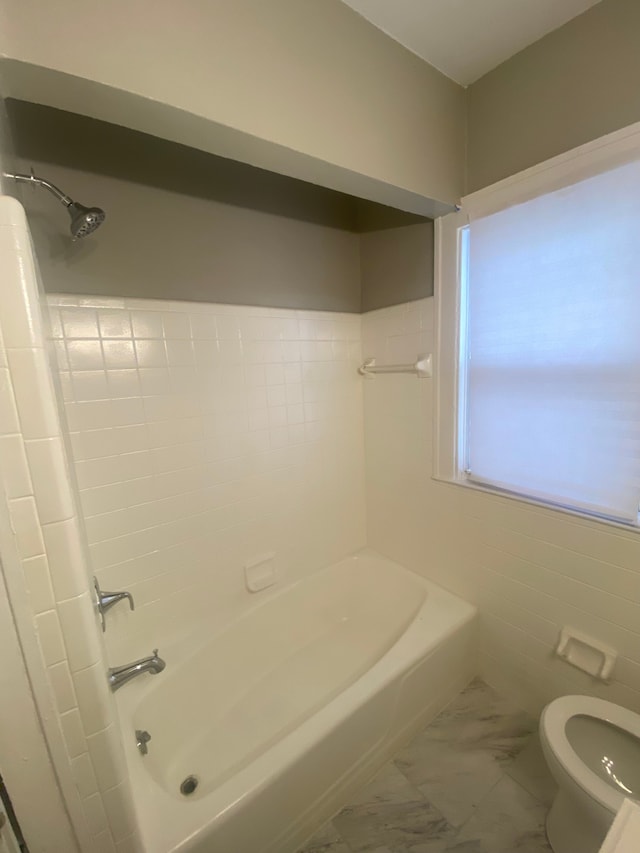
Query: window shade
x=552, y=384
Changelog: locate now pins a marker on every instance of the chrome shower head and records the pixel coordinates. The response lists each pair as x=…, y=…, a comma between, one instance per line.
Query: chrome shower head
x=84, y=220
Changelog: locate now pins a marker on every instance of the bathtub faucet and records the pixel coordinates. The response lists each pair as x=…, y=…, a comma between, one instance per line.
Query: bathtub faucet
x=119, y=675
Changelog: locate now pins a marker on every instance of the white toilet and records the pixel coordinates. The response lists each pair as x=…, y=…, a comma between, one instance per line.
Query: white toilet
x=592, y=748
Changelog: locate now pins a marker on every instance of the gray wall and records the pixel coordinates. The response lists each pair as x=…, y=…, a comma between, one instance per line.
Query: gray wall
x=574, y=85
x=163, y=244
x=183, y=224
x=396, y=265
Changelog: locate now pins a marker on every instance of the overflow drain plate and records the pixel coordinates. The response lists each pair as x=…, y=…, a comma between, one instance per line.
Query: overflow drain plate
x=189, y=785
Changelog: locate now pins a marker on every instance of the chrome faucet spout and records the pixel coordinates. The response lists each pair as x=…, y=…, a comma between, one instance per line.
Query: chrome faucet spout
x=119, y=675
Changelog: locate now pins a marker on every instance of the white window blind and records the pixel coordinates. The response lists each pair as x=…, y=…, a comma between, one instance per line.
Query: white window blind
x=550, y=364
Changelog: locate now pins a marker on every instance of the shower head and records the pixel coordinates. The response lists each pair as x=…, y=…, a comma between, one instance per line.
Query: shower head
x=84, y=220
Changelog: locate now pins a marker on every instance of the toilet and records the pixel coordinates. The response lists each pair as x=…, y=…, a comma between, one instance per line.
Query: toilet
x=592, y=748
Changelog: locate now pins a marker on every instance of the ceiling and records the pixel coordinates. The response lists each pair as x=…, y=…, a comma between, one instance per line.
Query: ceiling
x=466, y=38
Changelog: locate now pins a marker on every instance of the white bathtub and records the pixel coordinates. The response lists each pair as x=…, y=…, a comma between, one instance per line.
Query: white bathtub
x=285, y=712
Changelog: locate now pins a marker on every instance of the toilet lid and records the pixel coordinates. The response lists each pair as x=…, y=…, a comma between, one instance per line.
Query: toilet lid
x=598, y=744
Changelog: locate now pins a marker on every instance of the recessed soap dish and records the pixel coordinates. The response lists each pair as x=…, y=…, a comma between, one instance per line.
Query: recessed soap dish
x=586, y=653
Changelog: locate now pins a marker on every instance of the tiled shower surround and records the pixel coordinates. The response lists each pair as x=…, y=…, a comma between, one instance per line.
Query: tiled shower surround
x=205, y=437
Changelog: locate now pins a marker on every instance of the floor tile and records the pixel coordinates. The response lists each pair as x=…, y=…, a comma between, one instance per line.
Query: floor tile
x=509, y=820
x=473, y=846
x=388, y=786
x=403, y=827
x=448, y=791
x=481, y=720
x=530, y=770
x=454, y=781
x=326, y=840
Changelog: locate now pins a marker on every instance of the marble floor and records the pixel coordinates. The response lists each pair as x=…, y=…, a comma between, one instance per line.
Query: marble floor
x=473, y=781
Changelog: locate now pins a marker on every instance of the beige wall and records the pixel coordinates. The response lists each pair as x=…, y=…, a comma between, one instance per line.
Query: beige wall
x=574, y=85
x=299, y=86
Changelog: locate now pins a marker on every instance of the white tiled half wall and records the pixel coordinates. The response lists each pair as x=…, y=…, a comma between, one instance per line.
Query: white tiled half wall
x=53, y=571
x=530, y=570
x=204, y=437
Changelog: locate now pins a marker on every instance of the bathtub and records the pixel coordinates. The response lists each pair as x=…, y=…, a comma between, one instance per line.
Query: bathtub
x=284, y=713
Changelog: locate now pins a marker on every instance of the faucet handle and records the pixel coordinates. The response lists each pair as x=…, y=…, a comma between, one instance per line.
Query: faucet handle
x=105, y=600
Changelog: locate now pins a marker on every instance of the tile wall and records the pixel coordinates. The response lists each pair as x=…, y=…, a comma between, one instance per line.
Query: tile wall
x=530, y=570
x=205, y=436
x=36, y=481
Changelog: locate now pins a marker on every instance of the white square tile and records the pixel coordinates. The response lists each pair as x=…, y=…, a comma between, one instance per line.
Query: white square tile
x=123, y=383
x=60, y=678
x=277, y=416
x=66, y=386
x=150, y=353
x=51, y=481
x=203, y=327
x=83, y=775
x=93, y=697
x=73, y=733
x=258, y=419
x=95, y=815
x=119, y=354
x=114, y=324
x=277, y=395
x=132, y=844
x=60, y=354
x=155, y=380
x=103, y=843
x=126, y=411
x=90, y=385
x=15, y=468
x=80, y=629
x=54, y=323
x=50, y=637
x=295, y=414
x=35, y=398
x=9, y=422
x=227, y=327
x=255, y=375
x=67, y=565
x=107, y=758
x=38, y=581
x=179, y=353
x=147, y=324
x=274, y=374
x=79, y=322
x=26, y=526
x=122, y=817
x=176, y=326
x=84, y=355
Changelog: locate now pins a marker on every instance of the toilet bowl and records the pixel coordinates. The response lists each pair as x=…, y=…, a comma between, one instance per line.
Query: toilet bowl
x=592, y=748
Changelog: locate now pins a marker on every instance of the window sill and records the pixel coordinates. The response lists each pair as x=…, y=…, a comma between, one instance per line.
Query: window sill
x=538, y=504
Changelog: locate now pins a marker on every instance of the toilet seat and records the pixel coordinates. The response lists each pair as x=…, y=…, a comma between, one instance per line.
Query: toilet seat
x=553, y=723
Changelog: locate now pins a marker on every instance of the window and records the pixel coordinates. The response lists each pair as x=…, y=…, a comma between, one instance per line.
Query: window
x=540, y=334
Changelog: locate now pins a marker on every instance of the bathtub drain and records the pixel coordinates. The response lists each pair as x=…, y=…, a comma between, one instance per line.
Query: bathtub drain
x=189, y=785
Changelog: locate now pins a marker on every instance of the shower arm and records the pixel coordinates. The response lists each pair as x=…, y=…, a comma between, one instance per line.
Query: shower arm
x=41, y=182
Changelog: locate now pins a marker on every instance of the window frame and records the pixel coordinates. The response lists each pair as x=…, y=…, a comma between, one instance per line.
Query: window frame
x=607, y=152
